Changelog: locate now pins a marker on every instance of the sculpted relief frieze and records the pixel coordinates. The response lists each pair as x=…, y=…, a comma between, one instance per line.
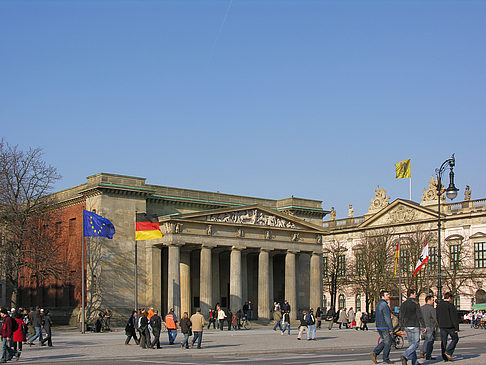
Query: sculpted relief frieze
x=401, y=214
x=252, y=216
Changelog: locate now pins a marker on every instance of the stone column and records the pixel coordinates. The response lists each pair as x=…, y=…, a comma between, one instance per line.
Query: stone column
x=185, y=268
x=205, y=281
x=235, y=279
x=263, y=284
x=244, y=278
x=315, y=280
x=272, y=294
x=173, y=280
x=156, y=270
x=216, y=285
x=290, y=283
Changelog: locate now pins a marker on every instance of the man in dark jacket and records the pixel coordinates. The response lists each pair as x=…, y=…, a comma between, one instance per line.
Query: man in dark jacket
x=47, y=327
x=384, y=327
x=36, y=320
x=7, y=333
x=156, y=324
x=430, y=319
x=449, y=326
x=411, y=320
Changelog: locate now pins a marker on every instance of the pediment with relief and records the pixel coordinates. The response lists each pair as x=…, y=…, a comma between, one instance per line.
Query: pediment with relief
x=253, y=217
x=399, y=213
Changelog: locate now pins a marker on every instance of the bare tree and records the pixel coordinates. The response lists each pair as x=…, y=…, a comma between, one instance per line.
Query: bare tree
x=25, y=182
x=336, y=267
x=373, y=268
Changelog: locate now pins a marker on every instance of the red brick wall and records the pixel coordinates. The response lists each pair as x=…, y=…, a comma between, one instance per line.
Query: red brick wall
x=64, y=291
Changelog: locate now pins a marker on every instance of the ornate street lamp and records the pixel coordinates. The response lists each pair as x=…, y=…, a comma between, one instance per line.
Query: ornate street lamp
x=451, y=193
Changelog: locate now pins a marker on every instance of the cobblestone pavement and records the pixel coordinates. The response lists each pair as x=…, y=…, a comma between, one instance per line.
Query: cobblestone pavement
x=258, y=345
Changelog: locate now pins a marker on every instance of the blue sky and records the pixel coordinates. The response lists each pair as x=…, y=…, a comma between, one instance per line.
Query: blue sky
x=316, y=99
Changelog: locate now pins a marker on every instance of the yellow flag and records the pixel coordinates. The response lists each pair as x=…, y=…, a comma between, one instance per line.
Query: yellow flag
x=403, y=169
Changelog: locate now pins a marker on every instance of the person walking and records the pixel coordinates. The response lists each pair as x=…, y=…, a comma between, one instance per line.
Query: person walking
x=36, y=320
x=343, y=318
x=277, y=317
x=221, y=317
x=197, y=321
x=19, y=335
x=364, y=321
x=144, y=329
x=411, y=320
x=6, y=332
x=384, y=326
x=330, y=316
x=311, y=325
x=130, y=329
x=186, y=330
x=303, y=325
x=319, y=317
x=449, y=326
x=286, y=323
x=212, y=318
x=171, y=325
x=156, y=324
x=430, y=319
x=47, y=327
x=351, y=318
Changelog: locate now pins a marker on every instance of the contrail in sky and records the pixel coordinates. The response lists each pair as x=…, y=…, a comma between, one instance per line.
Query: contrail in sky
x=228, y=8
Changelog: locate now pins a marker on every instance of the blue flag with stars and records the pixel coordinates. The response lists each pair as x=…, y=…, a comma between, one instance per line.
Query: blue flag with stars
x=97, y=226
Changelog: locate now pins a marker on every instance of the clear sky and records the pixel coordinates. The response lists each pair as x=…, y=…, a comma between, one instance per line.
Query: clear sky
x=316, y=99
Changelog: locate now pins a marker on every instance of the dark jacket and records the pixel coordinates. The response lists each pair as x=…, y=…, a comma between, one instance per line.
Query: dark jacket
x=447, y=315
x=303, y=322
x=429, y=314
x=383, y=316
x=36, y=318
x=47, y=323
x=156, y=323
x=144, y=322
x=185, y=325
x=410, y=314
x=7, y=329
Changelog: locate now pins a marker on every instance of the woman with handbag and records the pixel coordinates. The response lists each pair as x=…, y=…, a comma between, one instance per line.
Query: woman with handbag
x=186, y=330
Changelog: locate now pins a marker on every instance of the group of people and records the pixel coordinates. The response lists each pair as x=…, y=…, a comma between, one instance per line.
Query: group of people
x=148, y=324
x=281, y=316
x=17, y=324
x=416, y=320
x=219, y=317
x=348, y=319
x=475, y=317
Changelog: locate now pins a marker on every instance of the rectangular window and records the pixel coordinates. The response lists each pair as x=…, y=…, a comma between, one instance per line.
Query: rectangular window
x=432, y=259
x=324, y=267
x=455, y=256
x=341, y=265
x=72, y=226
x=360, y=264
x=457, y=301
x=480, y=255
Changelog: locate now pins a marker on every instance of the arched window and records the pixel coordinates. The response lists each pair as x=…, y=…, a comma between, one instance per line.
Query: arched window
x=341, y=301
x=480, y=296
x=358, y=302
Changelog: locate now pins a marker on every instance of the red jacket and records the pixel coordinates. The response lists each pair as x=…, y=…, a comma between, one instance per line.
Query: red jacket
x=7, y=327
x=19, y=335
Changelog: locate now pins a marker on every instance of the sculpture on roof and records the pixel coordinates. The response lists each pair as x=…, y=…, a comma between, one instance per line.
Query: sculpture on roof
x=350, y=211
x=332, y=215
x=380, y=201
x=467, y=193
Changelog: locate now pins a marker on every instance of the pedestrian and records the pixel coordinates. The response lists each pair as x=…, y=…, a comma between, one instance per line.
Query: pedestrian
x=303, y=325
x=144, y=330
x=245, y=309
x=449, y=326
x=286, y=323
x=19, y=334
x=343, y=318
x=351, y=318
x=221, y=317
x=364, y=321
x=430, y=319
x=412, y=321
x=234, y=321
x=156, y=324
x=330, y=316
x=311, y=325
x=186, y=330
x=229, y=318
x=36, y=320
x=197, y=321
x=357, y=318
x=277, y=318
x=6, y=332
x=47, y=327
x=130, y=329
x=286, y=307
x=212, y=318
x=171, y=325
x=250, y=310
x=319, y=317
x=384, y=326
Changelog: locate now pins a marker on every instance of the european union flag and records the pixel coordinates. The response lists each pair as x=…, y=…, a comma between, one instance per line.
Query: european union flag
x=97, y=226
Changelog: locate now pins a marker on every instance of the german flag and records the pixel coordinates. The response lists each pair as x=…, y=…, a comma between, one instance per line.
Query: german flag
x=147, y=227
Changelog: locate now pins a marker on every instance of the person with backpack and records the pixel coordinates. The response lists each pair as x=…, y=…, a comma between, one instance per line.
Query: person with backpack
x=47, y=326
x=311, y=325
x=171, y=325
x=19, y=334
x=7, y=330
x=303, y=325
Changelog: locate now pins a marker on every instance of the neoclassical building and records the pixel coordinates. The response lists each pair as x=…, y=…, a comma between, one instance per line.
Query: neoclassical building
x=216, y=248
x=463, y=244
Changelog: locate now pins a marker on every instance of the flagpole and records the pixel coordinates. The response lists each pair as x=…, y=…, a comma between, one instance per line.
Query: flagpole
x=136, y=268
x=399, y=274
x=410, y=188
x=83, y=274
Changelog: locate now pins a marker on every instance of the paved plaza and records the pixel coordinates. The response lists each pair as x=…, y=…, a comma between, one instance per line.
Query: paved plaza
x=258, y=345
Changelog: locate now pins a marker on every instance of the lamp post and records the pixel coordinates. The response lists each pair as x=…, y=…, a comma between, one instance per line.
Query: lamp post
x=451, y=193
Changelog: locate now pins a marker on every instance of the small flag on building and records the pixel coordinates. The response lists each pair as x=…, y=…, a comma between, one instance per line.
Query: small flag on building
x=403, y=169
x=95, y=225
x=147, y=227
x=424, y=257
x=397, y=255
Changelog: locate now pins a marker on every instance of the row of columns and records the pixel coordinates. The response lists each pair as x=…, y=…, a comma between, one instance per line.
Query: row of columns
x=179, y=295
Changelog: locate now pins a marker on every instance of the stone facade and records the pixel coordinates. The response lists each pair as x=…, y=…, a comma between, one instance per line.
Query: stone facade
x=216, y=248
x=463, y=225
